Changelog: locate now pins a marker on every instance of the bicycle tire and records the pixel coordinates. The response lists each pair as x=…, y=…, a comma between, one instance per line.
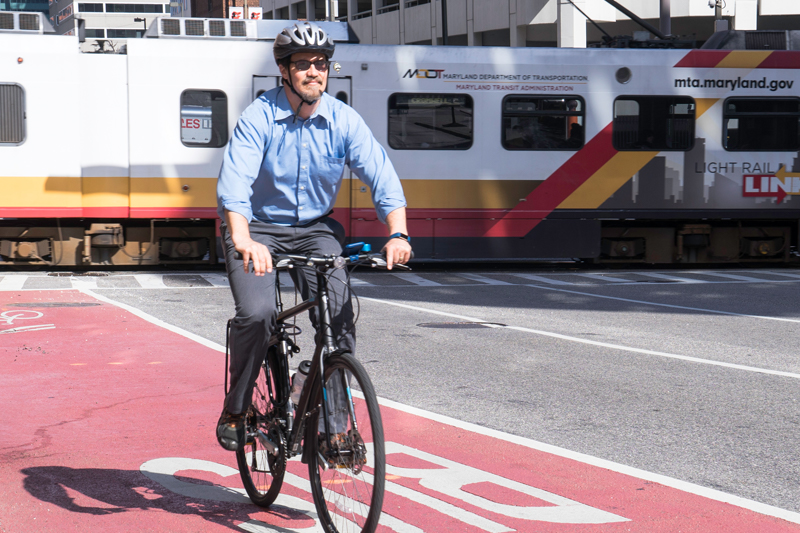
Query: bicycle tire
x=348, y=494
x=261, y=472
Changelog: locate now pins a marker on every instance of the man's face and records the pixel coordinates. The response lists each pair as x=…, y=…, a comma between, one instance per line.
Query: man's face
x=309, y=83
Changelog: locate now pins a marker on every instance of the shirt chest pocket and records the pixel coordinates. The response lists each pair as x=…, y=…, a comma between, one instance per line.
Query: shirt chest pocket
x=329, y=170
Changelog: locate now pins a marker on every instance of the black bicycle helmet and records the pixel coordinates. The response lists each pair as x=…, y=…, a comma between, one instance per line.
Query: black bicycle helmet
x=305, y=37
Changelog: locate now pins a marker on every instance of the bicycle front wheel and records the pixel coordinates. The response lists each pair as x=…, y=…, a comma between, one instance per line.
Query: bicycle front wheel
x=262, y=461
x=347, y=468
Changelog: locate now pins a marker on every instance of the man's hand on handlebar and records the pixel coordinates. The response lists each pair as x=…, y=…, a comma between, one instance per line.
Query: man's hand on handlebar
x=256, y=252
x=396, y=251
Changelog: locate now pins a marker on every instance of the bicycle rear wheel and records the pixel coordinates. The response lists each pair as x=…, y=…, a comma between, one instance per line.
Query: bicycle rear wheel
x=262, y=461
x=347, y=472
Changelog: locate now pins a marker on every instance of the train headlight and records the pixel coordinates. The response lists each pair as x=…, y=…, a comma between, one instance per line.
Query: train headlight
x=624, y=75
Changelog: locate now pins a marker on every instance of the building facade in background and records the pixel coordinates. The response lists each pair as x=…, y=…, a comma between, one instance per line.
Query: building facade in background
x=41, y=6
x=528, y=22
x=107, y=25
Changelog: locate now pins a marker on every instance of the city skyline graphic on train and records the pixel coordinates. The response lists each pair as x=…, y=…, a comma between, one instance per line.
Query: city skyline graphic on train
x=666, y=182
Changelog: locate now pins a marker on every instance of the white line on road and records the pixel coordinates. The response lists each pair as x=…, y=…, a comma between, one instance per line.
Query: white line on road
x=12, y=283
x=543, y=279
x=670, y=277
x=416, y=280
x=603, y=277
x=484, y=279
x=598, y=343
x=150, y=281
x=217, y=280
x=691, y=488
x=712, y=311
x=734, y=276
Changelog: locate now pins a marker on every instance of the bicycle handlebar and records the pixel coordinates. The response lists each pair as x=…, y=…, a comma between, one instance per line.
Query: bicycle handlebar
x=287, y=261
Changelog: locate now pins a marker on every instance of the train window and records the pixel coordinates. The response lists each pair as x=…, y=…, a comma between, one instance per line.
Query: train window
x=654, y=123
x=753, y=124
x=430, y=121
x=204, y=118
x=543, y=123
x=12, y=114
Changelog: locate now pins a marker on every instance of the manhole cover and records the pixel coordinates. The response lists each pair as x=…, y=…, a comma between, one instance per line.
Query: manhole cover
x=460, y=325
x=55, y=304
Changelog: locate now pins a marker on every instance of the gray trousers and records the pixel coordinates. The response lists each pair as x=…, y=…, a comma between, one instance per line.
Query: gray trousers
x=254, y=296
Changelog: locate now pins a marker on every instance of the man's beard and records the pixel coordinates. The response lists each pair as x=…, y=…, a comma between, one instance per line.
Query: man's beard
x=311, y=94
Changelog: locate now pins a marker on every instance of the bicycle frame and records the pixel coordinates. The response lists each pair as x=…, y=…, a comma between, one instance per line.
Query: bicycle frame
x=325, y=346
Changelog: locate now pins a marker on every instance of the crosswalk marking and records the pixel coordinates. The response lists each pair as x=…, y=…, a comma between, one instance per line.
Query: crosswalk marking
x=83, y=283
x=210, y=280
x=543, y=279
x=416, y=280
x=12, y=283
x=785, y=274
x=217, y=280
x=603, y=277
x=483, y=279
x=670, y=277
x=150, y=281
x=732, y=276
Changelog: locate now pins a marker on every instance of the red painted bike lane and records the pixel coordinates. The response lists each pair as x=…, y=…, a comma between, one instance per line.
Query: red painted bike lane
x=108, y=425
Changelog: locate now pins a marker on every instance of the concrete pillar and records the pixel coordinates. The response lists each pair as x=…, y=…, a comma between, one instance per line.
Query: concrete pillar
x=571, y=24
x=434, y=9
x=471, y=23
x=746, y=17
x=517, y=25
x=402, y=21
x=374, y=19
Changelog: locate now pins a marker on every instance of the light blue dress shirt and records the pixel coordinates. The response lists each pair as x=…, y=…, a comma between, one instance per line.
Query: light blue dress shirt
x=288, y=171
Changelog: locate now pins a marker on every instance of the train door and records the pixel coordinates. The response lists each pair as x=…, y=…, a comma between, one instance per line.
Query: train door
x=262, y=84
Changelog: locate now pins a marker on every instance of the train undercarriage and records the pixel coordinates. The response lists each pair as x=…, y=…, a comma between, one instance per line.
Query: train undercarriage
x=182, y=242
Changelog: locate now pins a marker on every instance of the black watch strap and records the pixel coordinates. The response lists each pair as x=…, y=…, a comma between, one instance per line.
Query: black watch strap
x=399, y=235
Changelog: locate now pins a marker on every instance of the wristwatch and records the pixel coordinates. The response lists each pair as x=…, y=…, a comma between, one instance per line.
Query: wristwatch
x=399, y=235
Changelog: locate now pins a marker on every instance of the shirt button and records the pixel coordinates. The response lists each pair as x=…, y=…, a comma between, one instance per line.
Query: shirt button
x=305, y=145
x=303, y=167
x=301, y=208
x=302, y=188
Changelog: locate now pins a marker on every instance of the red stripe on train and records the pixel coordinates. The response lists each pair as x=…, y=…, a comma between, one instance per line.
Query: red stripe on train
x=782, y=60
x=702, y=58
x=558, y=187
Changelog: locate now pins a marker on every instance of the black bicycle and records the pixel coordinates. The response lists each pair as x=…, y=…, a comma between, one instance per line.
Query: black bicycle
x=336, y=424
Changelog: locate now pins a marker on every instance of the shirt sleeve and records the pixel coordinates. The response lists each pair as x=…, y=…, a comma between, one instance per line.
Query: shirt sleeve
x=241, y=163
x=370, y=162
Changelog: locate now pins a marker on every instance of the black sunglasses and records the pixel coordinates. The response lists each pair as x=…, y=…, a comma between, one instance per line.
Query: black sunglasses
x=303, y=64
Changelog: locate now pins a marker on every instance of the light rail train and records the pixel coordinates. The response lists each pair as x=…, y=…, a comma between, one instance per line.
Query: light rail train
x=605, y=155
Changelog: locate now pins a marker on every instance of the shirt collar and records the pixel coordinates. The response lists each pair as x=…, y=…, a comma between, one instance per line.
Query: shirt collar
x=283, y=109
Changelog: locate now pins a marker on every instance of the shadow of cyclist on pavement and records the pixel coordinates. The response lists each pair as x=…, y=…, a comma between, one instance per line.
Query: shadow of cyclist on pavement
x=100, y=492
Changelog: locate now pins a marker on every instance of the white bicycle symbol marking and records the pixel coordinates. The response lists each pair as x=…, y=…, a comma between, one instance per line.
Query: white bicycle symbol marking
x=8, y=317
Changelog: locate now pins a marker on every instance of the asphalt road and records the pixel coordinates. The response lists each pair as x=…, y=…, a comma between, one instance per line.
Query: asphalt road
x=695, y=378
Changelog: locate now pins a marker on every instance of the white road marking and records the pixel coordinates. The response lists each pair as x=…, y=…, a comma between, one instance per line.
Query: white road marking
x=603, y=277
x=484, y=279
x=83, y=283
x=217, y=280
x=416, y=280
x=543, y=279
x=734, y=276
x=12, y=283
x=785, y=274
x=713, y=311
x=356, y=282
x=670, y=277
x=150, y=281
x=684, y=486
x=691, y=488
x=598, y=343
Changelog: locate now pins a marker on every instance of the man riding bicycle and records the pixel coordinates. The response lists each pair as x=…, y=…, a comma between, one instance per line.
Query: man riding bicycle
x=280, y=175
